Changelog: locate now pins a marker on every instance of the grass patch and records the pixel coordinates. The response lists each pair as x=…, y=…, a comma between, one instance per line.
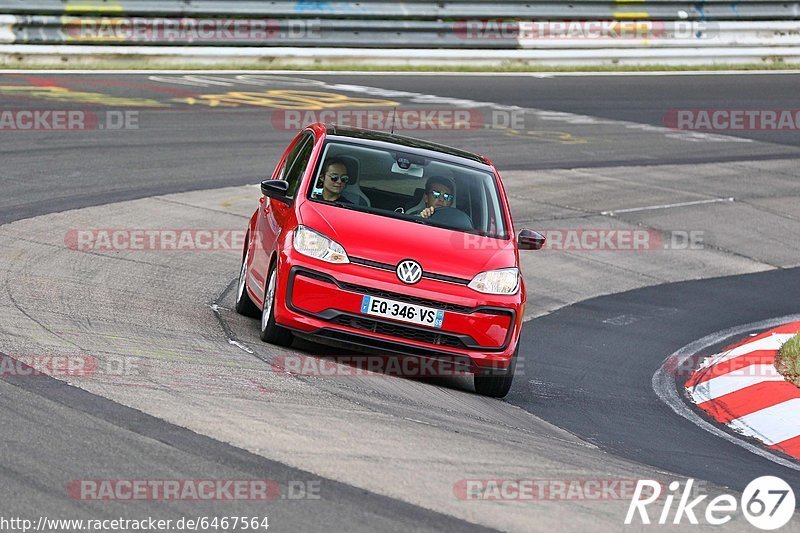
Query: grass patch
x=788, y=360
x=155, y=64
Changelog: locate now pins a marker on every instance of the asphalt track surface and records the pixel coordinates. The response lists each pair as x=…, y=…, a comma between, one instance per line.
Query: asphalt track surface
x=50, y=428
x=593, y=363
x=642, y=99
x=153, y=159
x=589, y=376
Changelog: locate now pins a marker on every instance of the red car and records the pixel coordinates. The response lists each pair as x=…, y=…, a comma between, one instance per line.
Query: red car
x=385, y=243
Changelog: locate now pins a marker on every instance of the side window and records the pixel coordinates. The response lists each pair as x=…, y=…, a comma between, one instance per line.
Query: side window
x=297, y=162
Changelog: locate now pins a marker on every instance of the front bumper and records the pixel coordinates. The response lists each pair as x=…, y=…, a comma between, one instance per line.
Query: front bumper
x=321, y=300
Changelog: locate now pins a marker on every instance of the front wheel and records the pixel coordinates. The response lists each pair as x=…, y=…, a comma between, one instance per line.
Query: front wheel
x=244, y=305
x=496, y=386
x=271, y=332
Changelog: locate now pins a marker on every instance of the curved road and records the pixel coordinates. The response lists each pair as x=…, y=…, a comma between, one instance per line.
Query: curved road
x=588, y=366
x=591, y=366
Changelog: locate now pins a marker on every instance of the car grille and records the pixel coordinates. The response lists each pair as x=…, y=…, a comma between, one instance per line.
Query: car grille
x=405, y=298
x=398, y=330
x=401, y=297
x=392, y=268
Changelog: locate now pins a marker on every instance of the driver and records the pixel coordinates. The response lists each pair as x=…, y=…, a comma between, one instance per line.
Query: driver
x=438, y=193
x=333, y=179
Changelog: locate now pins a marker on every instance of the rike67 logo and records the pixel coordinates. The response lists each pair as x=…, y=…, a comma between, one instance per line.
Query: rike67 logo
x=768, y=503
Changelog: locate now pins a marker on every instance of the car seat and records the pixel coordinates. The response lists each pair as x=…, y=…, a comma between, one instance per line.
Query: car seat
x=353, y=190
x=417, y=203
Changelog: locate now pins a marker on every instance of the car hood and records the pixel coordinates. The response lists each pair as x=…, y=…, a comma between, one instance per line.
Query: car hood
x=388, y=240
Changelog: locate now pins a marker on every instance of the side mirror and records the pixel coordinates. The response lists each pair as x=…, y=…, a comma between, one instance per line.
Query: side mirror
x=530, y=240
x=276, y=189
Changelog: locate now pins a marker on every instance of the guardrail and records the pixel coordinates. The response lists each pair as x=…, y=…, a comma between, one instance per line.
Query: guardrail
x=572, y=30
x=139, y=31
x=709, y=10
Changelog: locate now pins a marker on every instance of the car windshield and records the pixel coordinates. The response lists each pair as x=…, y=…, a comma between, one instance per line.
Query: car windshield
x=392, y=183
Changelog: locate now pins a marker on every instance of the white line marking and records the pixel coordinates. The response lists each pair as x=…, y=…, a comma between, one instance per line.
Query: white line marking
x=419, y=421
x=734, y=381
x=568, y=118
x=542, y=114
x=771, y=425
x=664, y=385
x=240, y=345
x=666, y=206
x=215, y=309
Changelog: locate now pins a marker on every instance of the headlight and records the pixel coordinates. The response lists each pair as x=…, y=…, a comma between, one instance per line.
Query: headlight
x=309, y=242
x=503, y=281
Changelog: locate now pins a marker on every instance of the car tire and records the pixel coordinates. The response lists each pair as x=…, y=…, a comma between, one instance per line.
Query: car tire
x=244, y=305
x=496, y=386
x=271, y=332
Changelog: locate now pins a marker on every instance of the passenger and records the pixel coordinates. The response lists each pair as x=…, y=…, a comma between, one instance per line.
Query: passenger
x=438, y=193
x=332, y=180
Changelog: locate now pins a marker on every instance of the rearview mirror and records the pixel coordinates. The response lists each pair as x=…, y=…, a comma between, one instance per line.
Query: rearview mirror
x=411, y=170
x=530, y=240
x=276, y=189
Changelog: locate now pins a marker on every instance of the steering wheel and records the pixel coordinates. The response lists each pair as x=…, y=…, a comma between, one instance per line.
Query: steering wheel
x=453, y=217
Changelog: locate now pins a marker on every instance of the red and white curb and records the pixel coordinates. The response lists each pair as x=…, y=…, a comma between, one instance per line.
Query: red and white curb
x=740, y=387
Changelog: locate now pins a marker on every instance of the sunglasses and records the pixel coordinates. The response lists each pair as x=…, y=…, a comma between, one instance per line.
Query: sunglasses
x=336, y=177
x=437, y=195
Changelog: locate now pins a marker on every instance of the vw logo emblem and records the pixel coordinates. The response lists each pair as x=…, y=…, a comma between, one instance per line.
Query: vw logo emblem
x=409, y=271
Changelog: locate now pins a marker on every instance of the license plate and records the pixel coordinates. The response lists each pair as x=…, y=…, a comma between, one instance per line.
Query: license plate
x=413, y=314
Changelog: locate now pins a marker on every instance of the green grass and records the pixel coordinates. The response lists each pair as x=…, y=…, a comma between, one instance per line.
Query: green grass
x=788, y=360
x=127, y=64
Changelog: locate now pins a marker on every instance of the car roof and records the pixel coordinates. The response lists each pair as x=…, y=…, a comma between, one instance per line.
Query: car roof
x=414, y=146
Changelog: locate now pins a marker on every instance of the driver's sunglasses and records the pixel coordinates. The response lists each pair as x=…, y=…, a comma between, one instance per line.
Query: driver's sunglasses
x=438, y=194
x=336, y=177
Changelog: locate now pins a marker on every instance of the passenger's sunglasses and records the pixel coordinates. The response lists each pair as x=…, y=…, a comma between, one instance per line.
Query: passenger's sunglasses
x=437, y=195
x=336, y=177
